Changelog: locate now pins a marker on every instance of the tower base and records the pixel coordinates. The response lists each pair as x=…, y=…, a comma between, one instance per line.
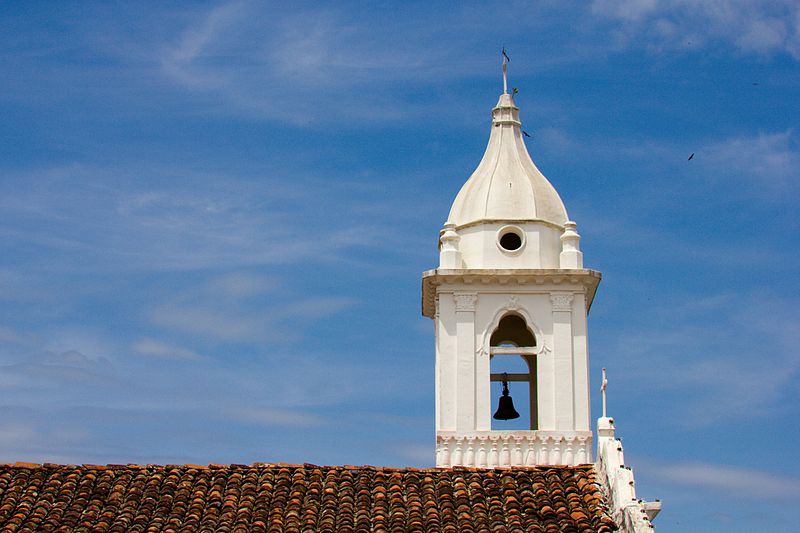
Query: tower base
x=490, y=449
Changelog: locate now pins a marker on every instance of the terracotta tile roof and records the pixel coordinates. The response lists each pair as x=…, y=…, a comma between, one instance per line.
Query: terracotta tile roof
x=299, y=498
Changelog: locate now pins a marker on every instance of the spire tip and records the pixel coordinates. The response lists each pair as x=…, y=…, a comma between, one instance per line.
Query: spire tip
x=506, y=59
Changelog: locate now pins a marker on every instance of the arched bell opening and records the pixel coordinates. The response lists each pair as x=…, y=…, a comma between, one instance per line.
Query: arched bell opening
x=512, y=330
x=512, y=352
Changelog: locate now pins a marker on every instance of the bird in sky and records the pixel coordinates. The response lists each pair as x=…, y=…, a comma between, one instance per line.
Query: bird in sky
x=690, y=157
x=525, y=133
x=515, y=90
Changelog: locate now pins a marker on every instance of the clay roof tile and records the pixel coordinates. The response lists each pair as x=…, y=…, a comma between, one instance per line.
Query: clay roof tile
x=281, y=497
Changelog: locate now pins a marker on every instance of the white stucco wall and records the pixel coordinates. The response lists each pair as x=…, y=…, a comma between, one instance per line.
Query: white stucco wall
x=541, y=249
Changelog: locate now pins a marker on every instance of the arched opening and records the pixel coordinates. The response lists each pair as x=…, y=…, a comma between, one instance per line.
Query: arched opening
x=512, y=349
x=512, y=329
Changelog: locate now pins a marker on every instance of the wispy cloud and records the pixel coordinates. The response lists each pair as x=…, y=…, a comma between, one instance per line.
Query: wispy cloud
x=275, y=416
x=51, y=370
x=155, y=348
x=768, y=163
x=213, y=322
x=13, y=336
x=295, y=66
x=748, y=482
x=740, y=364
x=70, y=407
x=196, y=40
x=323, y=64
x=761, y=27
x=762, y=167
x=234, y=285
x=91, y=218
x=242, y=307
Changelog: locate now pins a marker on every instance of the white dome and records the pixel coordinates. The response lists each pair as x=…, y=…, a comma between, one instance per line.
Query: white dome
x=507, y=186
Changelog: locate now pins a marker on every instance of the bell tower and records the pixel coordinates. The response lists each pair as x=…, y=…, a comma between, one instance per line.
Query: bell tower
x=510, y=284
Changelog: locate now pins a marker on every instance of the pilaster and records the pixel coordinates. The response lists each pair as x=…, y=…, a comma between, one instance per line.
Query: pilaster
x=465, y=359
x=446, y=361
x=562, y=359
x=580, y=367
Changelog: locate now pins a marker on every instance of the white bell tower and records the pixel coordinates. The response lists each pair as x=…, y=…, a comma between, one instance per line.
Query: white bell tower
x=510, y=283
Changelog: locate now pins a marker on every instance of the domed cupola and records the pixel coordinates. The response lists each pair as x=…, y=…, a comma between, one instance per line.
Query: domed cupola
x=507, y=186
x=507, y=215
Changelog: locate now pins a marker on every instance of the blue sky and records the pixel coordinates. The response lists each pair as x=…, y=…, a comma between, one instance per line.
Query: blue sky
x=214, y=217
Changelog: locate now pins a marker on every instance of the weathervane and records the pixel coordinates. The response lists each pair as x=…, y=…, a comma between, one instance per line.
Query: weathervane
x=603, y=390
x=506, y=59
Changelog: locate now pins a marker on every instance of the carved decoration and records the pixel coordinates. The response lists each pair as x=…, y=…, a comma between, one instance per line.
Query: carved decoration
x=546, y=350
x=562, y=301
x=489, y=450
x=465, y=301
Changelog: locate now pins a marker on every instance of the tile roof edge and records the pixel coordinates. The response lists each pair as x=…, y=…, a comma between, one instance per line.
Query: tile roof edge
x=219, y=466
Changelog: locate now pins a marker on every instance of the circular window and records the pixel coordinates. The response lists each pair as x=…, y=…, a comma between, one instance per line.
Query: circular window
x=510, y=239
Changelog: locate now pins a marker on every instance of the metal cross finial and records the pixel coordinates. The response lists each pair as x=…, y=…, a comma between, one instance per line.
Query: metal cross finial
x=603, y=390
x=506, y=59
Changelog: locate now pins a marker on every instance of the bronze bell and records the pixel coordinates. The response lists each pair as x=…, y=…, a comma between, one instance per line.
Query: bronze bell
x=505, y=410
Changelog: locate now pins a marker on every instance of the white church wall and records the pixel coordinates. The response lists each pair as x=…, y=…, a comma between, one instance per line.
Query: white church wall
x=616, y=478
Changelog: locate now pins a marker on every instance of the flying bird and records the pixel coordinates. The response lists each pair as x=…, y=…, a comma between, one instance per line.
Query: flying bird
x=515, y=90
x=525, y=133
x=690, y=157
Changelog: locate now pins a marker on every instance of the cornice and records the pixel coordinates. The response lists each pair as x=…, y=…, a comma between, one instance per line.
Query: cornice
x=517, y=222
x=432, y=279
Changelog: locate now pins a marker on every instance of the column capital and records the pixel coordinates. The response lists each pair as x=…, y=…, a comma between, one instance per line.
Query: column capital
x=465, y=301
x=562, y=301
